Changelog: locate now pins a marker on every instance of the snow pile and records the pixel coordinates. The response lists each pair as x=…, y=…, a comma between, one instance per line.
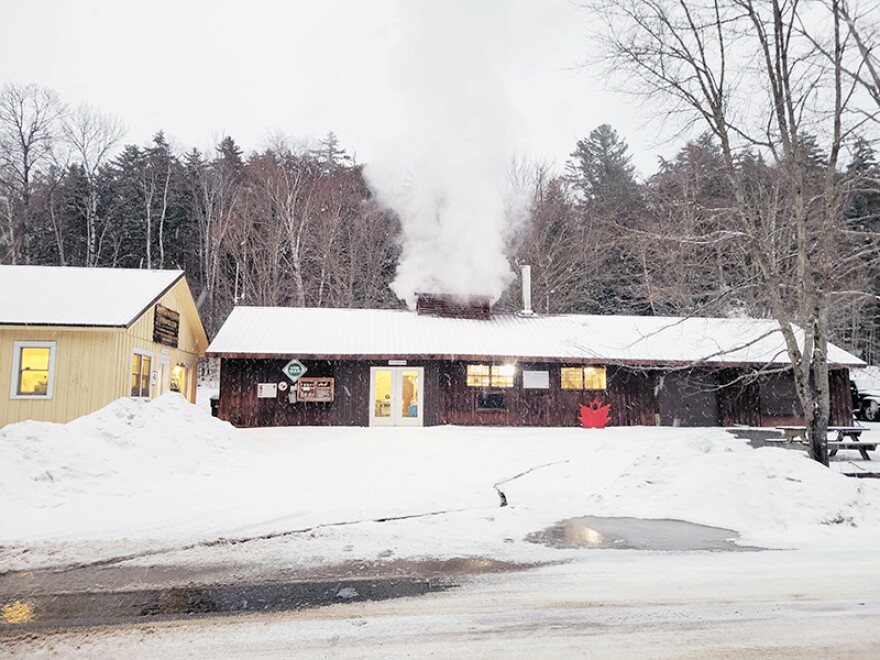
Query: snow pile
x=126, y=448
x=138, y=477
x=771, y=496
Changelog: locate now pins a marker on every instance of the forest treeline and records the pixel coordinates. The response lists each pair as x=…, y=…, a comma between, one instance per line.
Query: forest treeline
x=295, y=225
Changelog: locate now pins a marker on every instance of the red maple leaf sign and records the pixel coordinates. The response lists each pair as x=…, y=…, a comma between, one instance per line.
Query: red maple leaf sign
x=594, y=415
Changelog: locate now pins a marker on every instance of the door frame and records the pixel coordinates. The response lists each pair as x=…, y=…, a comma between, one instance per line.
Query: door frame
x=163, y=376
x=396, y=419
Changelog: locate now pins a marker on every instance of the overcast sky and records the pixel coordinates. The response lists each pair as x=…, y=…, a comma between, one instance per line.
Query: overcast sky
x=198, y=69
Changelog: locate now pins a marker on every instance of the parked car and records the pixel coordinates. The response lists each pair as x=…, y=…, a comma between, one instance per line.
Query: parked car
x=865, y=403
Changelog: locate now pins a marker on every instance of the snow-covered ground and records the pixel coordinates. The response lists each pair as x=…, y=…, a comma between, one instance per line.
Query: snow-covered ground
x=155, y=478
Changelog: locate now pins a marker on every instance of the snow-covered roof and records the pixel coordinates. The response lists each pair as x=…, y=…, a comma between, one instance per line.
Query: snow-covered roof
x=70, y=296
x=364, y=333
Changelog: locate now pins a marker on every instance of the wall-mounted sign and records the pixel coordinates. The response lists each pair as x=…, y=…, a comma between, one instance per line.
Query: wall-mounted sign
x=166, y=326
x=282, y=386
x=294, y=370
x=396, y=363
x=536, y=380
x=267, y=390
x=315, y=389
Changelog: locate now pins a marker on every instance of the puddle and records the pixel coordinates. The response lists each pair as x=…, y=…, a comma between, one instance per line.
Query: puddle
x=101, y=608
x=595, y=533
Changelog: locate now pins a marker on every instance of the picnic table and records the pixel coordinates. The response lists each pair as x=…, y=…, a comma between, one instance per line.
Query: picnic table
x=848, y=437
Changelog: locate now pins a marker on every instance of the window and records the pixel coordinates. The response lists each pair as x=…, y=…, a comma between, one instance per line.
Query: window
x=572, y=378
x=496, y=375
x=140, y=374
x=583, y=378
x=594, y=378
x=490, y=401
x=33, y=370
x=478, y=375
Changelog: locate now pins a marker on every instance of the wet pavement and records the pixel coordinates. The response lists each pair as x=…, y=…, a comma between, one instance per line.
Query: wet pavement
x=593, y=532
x=113, y=595
x=125, y=593
x=65, y=610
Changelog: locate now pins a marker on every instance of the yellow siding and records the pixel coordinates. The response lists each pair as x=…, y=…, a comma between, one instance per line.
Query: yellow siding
x=140, y=336
x=93, y=366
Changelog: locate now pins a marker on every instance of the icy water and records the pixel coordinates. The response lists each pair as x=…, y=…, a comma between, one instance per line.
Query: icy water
x=593, y=532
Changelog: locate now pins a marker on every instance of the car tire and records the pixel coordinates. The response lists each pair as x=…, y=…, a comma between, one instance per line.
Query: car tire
x=871, y=411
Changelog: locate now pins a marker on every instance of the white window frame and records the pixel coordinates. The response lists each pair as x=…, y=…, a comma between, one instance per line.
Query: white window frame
x=16, y=365
x=142, y=353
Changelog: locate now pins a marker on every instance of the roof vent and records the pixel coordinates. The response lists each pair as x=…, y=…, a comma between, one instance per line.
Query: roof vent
x=463, y=307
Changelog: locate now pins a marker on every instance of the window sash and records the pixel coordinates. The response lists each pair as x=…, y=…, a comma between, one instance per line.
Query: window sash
x=496, y=375
x=572, y=378
x=141, y=364
x=594, y=378
x=583, y=378
x=33, y=370
x=478, y=375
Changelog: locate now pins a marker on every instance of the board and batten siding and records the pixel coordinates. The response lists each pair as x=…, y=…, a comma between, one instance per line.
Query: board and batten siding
x=140, y=337
x=93, y=365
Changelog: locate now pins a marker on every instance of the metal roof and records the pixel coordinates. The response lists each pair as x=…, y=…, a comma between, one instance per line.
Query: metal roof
x=71, y=296
x=371, y=333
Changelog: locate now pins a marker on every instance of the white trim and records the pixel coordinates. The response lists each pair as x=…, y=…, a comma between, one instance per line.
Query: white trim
x=142, y=353
x=16, y=364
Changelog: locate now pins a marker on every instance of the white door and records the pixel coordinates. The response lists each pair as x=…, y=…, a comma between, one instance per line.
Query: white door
x=396, y=396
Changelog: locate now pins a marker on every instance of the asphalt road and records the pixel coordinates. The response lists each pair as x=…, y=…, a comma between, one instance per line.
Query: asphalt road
x=611, y=604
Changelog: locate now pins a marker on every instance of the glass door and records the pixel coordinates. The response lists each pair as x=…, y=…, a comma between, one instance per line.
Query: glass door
x=396, y=396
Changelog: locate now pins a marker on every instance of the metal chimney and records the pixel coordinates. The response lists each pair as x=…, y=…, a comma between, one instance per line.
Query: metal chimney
x=527, y=291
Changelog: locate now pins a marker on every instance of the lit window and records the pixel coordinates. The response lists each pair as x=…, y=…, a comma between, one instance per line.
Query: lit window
x=478, y=375
x=502, y=375
x=594, y=378
x=33, y=369
x=572, y=378
x=140, y=375
x=583, y=378
x=496, y=375
x=178, y=379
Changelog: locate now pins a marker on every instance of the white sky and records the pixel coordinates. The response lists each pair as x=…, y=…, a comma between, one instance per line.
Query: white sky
x=198, y=69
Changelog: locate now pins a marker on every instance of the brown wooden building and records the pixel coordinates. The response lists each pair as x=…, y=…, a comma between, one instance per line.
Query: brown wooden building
x=452, y=365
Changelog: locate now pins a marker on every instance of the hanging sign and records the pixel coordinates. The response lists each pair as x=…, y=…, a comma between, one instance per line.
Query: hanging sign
x=294, y=370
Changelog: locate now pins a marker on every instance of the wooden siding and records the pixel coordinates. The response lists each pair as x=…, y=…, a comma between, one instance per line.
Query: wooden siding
x=687, y=398
x=692, y=398
x=93, y=365
x=447, y=397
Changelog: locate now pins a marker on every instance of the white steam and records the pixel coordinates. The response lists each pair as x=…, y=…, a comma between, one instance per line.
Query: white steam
x=445, y=170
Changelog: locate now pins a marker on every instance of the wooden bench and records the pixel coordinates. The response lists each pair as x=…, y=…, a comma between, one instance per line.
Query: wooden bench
x=848, y=437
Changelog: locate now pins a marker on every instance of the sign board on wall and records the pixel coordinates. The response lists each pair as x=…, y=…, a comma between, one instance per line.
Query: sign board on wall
x=536, y=380
x=315, y=389
x=267, y=390
x=294, y=370
x=166, y=326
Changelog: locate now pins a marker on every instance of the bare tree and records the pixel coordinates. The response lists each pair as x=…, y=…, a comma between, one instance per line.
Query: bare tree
x=29, y=118
x=91, y=136
x=751, y=73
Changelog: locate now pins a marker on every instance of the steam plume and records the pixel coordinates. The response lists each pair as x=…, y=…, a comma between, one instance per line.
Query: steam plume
x=445, y=170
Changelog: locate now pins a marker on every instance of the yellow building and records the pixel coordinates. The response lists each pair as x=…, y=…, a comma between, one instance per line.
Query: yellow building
x=74, y=339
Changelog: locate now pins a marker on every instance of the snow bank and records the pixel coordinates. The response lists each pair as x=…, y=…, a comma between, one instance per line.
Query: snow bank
x=772, y=496
x=120, y=451
x=166, y=475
